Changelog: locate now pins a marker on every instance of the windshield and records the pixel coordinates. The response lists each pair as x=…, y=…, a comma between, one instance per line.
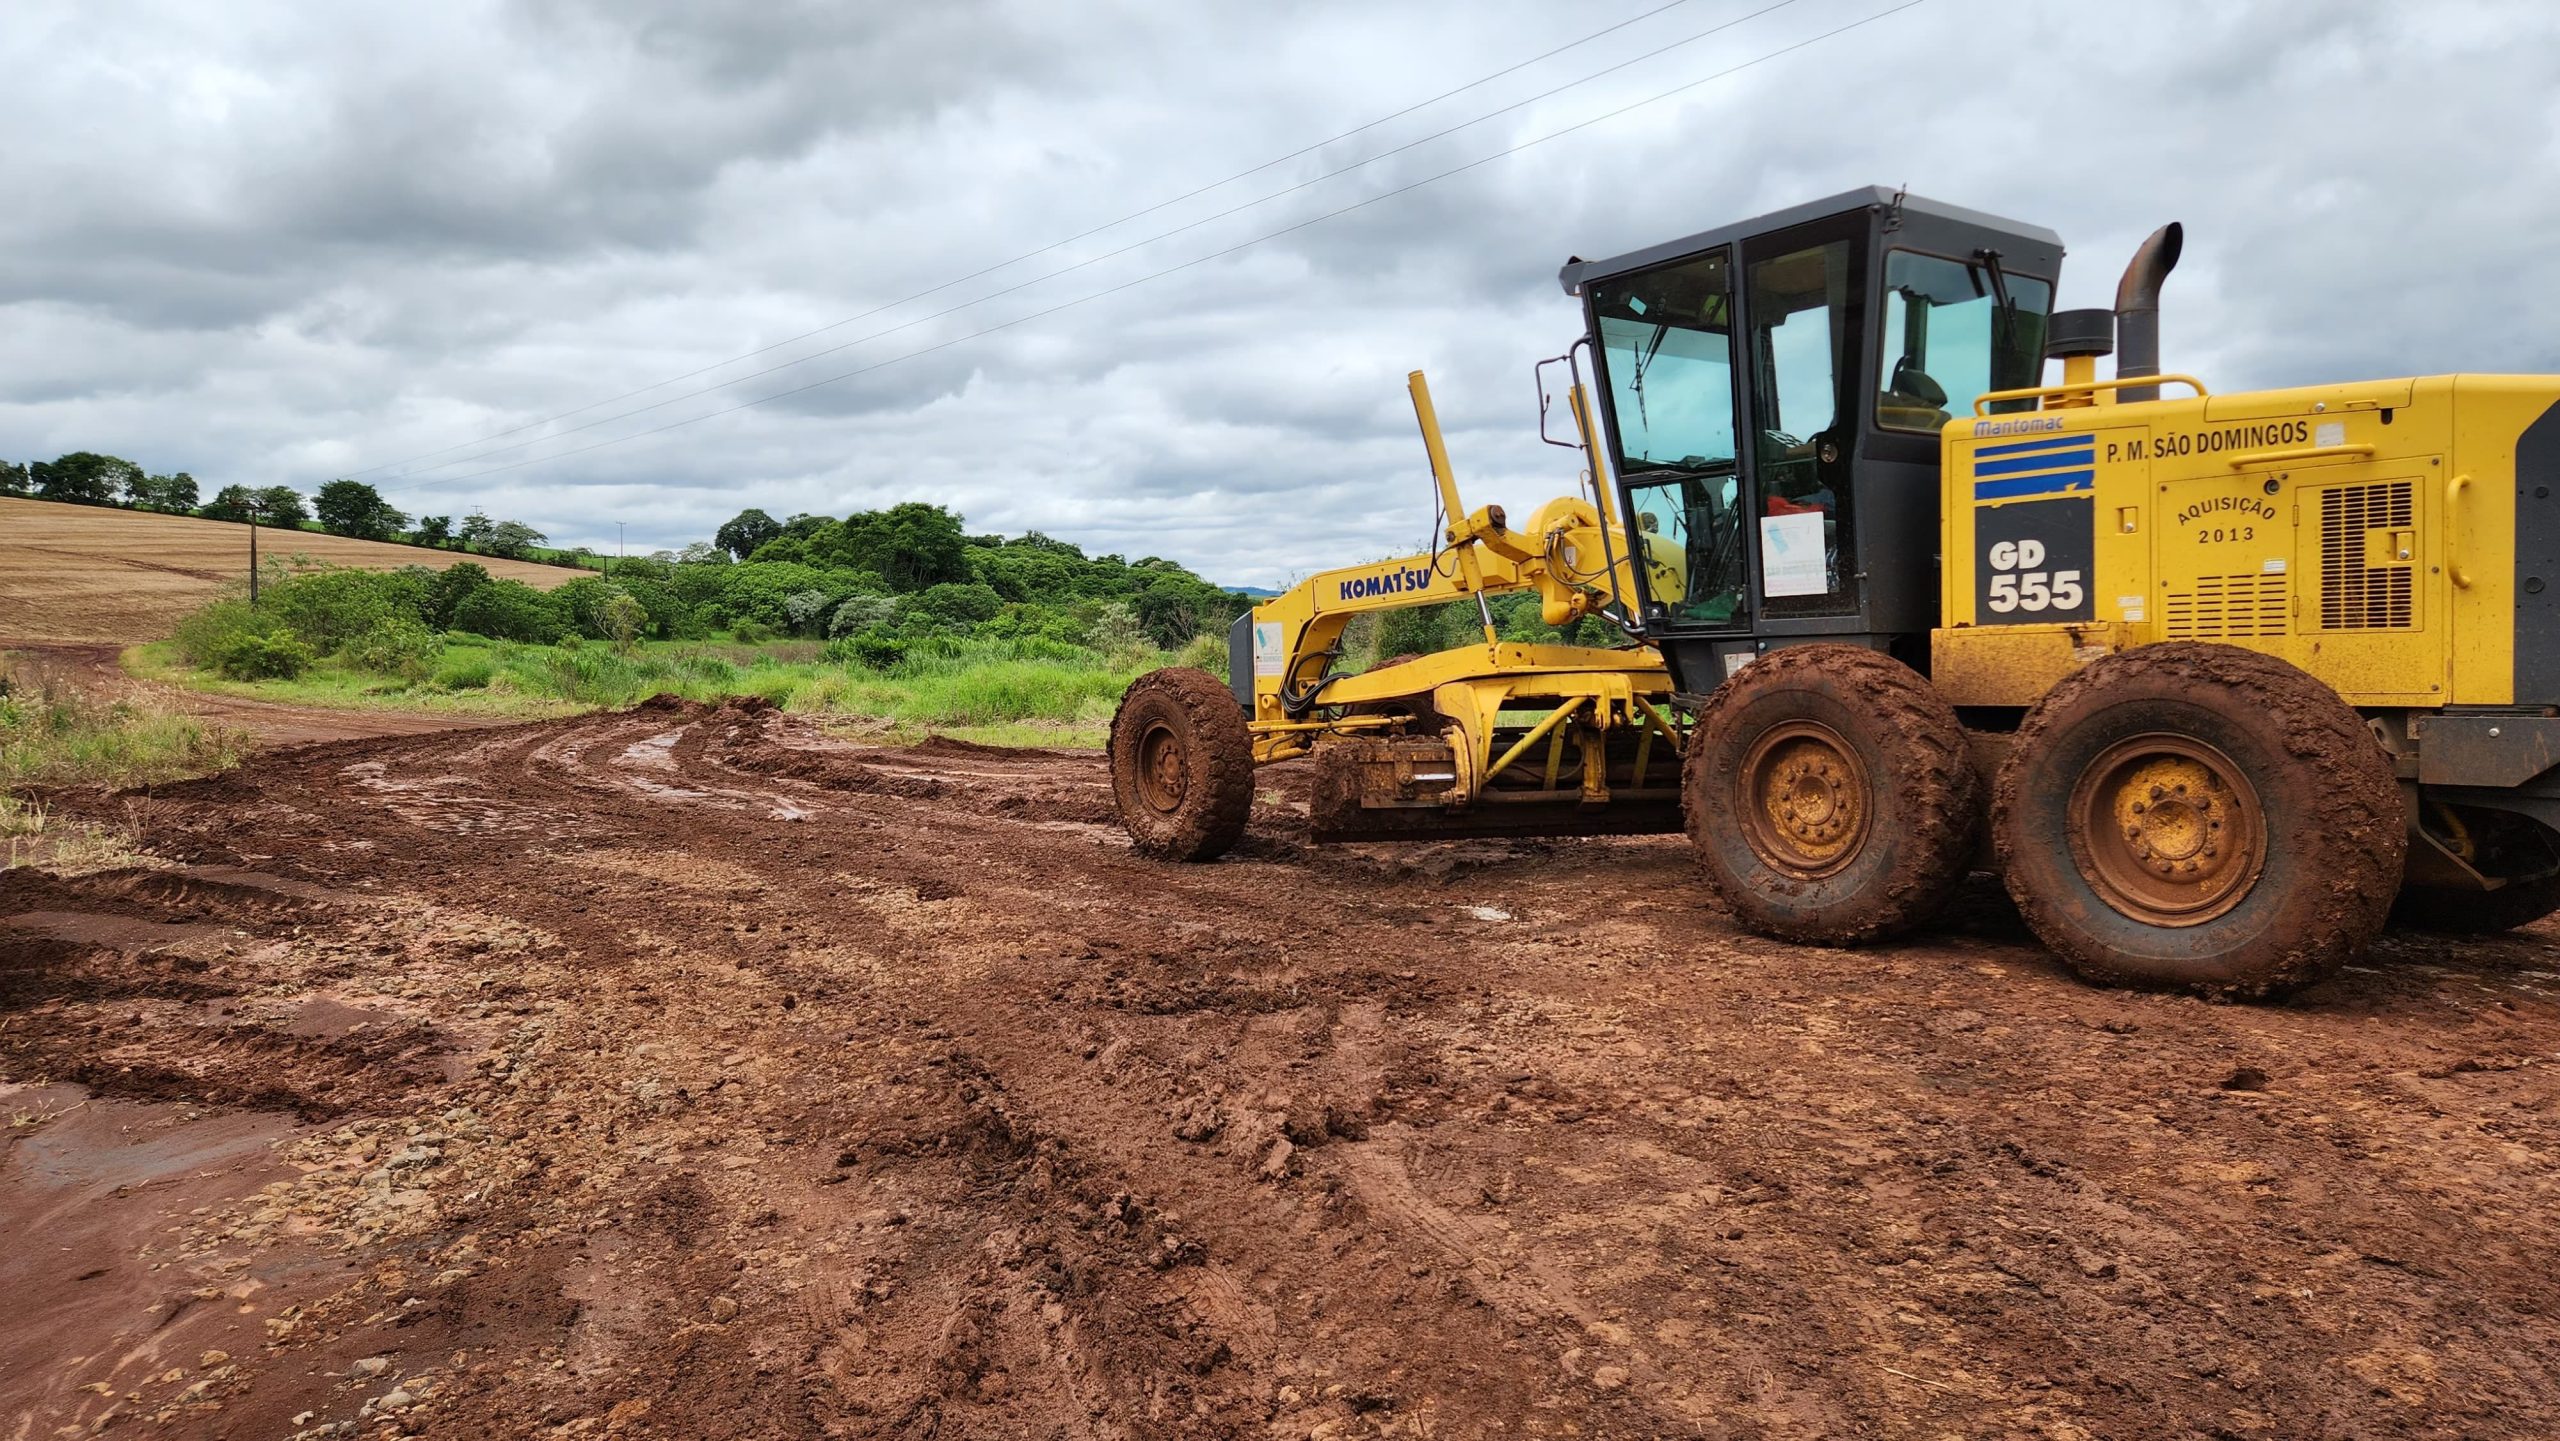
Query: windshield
x=1948, y=341
x=1668, y=352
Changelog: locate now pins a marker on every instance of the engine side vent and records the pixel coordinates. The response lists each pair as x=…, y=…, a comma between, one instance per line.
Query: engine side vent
x=2228, y=607
x=2356, y=595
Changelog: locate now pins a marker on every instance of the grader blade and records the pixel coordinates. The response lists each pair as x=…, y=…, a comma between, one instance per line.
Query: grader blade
x=1397, y=788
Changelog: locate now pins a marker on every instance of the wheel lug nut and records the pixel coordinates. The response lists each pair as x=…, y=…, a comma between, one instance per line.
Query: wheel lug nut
x=2157, y=793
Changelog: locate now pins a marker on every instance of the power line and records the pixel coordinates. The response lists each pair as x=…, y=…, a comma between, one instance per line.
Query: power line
x=1188, y=264
x=1479, y=81
x=1113, y=254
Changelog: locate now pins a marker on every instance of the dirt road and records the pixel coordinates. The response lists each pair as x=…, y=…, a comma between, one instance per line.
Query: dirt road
x=681, y=1073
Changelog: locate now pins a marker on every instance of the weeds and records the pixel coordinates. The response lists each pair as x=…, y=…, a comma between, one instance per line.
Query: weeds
x=53, y=733
x=1033, y=691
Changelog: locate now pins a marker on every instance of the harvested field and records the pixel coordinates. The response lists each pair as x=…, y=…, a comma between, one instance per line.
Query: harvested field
x=682, y=1073
x=97, y=574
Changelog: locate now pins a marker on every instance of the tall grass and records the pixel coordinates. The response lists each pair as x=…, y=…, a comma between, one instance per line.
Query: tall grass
x=53, y=732
x=1030, y=690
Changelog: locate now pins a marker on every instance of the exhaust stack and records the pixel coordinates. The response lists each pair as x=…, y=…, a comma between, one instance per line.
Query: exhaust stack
x=2138, y=309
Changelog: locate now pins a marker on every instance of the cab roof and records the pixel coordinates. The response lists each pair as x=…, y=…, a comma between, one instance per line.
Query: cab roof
x=1578, y=270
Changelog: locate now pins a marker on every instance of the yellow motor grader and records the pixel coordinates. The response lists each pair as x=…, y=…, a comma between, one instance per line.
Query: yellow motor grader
x=2208, y=679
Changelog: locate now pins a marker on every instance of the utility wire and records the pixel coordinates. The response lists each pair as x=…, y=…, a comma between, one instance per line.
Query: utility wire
x=1188, y=264
x=1102, y=256
x=1479, y=81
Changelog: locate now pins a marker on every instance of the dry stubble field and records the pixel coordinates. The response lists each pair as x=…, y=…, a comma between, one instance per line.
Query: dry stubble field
x=94, y=574
x=684, y=1072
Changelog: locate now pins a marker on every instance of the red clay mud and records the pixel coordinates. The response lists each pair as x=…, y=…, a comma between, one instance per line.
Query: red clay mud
x=685, y=1073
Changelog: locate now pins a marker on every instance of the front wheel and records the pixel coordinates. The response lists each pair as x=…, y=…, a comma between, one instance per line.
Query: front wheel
x=1829, y=795
x=2199, y=817
x=1181, y=765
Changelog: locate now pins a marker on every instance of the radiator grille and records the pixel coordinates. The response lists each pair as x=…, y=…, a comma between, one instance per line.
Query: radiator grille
x=2353, y=595
x=2227, y=607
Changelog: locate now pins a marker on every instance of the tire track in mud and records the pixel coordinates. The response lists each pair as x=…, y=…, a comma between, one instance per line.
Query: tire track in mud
x=814, y=1089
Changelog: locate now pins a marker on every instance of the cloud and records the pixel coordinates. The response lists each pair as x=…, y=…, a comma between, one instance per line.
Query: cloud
x=278, y=243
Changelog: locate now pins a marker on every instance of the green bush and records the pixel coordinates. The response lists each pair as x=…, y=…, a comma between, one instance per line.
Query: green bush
x=861, y=612
x=262, y=656
x=761, y=591
x=398, y=647
x=955, y=606
x=215, y=628
x=509, y=610
x=328, y=609
x=587, y=605
x=1207, y=652
x=446, y=592
x=467, y=670
x=874, y=649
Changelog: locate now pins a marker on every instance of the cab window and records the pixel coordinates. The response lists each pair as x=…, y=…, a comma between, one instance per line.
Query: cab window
x=1948, y=339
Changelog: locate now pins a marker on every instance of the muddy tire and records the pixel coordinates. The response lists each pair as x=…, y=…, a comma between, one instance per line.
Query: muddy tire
x=1181, y=765
x=2199, y=817
x=2476, y=913
x=1829, y=795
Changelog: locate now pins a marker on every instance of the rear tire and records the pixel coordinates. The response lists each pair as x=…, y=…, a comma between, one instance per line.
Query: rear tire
x=1181, y=765
x=2189, y=816
x=1829, y=795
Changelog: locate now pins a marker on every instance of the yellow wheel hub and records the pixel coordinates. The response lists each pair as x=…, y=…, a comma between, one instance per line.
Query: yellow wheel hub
x=2167, y=830
x=1806, y=810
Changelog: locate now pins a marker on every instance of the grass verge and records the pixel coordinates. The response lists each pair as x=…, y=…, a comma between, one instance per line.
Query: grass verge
x=1023, y=693
x=54, y=733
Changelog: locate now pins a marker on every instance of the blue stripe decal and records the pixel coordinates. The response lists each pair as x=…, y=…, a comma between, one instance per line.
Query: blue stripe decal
x=2051, y=460
x=2047, y=443
x=2016, y=486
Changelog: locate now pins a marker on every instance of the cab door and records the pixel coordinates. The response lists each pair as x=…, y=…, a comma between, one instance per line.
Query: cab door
x=1803, y=311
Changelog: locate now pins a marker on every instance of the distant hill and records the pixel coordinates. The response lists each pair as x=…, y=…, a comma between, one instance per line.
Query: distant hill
x=1257, y=592
x=97, y=574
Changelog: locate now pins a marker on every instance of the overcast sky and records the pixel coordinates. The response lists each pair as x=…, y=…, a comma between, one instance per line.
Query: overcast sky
x=282, y=242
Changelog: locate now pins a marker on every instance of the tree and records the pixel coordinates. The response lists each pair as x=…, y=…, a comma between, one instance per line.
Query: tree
x=512, y=538
x=281, y=505
x=351, y=507
x=624, y=619
x=476, y=528
x=435, y=530
x=14, y=479
x=85, y=478
x=912, y=545
x=449, y=589
x=173, y=493
x=235, y=503
x=746, y=531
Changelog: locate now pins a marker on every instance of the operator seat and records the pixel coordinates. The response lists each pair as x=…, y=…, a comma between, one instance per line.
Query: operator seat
x=1911, y=400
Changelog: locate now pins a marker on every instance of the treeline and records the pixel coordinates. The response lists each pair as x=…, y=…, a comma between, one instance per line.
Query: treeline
x=876, y=587
x=342, y=507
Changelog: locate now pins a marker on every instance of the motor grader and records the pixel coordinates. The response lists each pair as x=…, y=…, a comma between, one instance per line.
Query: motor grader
x=2208, y=679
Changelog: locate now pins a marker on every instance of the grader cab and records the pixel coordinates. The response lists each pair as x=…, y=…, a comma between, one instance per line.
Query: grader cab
x=2209, y=680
